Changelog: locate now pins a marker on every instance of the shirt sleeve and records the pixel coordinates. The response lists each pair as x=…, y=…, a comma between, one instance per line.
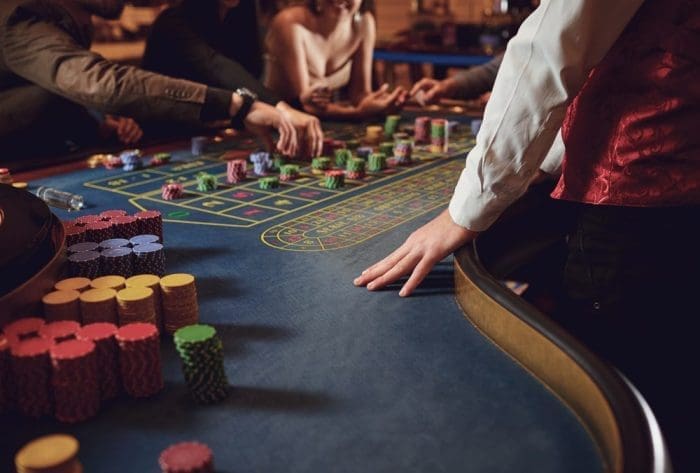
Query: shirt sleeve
x=544, y=66
x=478, y=79
x=49, y=57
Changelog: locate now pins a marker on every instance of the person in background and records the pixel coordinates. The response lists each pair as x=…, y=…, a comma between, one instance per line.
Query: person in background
x=45, y=59
x=216, y=42
x=620, y=80
x=322, y=47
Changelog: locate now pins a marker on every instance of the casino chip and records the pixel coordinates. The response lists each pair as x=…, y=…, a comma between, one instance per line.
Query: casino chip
x=62, y=305
x=99, y=305
x=376, y=162
x=149, y=258
x=82, y=247
x=31, y=371
x=85, y=264
x=320, y=165
x=114, y=243
x=125, y=226
x=51, y=453
x=421, y=132
x=391, y=125
x=187, y=457
x=150, y=222
x=103, y=335
x=202, y=355
x=335, y=179
x=236, y=170
x=387, y=147
x=341, y=157
x=131, y=159
x=160, y=159
x=364, y=151
x=152, y=282
x=136, y=304
x=206, y=182
x=117, y=261
x=289, y=172
x=112, y=281
x=60, y=331
x=110, y=214
x=269, y=182
x=72, y=284
x=75, y=380
x=139, y=359
x=402, y=152
x=180, y=306
x=143, y=239
x=110, y=161
x=261, y=162
x=355, y=168
x=172, y=190
x=374, y=134
x=24, y=328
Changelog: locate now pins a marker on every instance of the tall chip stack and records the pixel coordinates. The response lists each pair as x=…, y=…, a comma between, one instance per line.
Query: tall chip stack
x=236, y=170
x=355, y=168
x=376, y=162
x=387, y=148
x=391, y=125
x=202, y=356
x=341, y=157
x=179, y=301
x=99, y=305
x=118, y=261
x=438, y=135
x=152, y=282
x=136, y=304
x=111, y=281
x=62, y=305
x=403, y=152
x=149, y=258
x=5, y=377
x=150, y=222
x=374, y=134
x=125, y=226
x=261, y=162
x=49, y=454
x=139, y=359
x=84, y=265
x=421, y=132
x=75, y=381
x=98, y=231
x=103, y=335
x=31, y=371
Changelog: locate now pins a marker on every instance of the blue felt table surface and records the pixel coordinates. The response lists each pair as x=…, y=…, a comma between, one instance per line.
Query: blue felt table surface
x=326, y=377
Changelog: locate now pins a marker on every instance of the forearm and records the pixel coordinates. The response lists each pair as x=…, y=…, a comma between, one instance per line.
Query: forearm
x=475, y=81
x=335, y=111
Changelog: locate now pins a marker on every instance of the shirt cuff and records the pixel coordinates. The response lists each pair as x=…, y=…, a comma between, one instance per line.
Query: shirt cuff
x=217, y=105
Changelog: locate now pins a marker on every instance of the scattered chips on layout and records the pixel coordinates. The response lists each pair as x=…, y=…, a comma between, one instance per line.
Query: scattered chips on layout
x=51, y=453
x=236, y=171
x=172, y=191
x=180, y=306
x=206, y=182
x=269, y=182
x=186, y=457
x=202, y=356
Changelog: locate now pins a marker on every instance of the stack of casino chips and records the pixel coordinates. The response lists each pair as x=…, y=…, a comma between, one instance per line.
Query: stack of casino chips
x=334, y=179
x=403, y=152
x=112, y=161
x=186, y=457
x=103, y=335
x=376, y=162
x=131, y=159
x=150, y=222
x=113, y=243
x=117, y=261
x=355, y=168
x=136, y=304
x=57, y=453
x=364, y=151
x=125, y=226
x=74, y=233
x=110, y=214
x=320, y=165
x=99, y=305
x=352, y=144
x=387, y=148
x=23, y=328
x=149, y=258
x=206, y=182
x=62, y=305
x=198, y=145
x=60, y=331
x=289, y=172
x=421, y=133
x=111, y=281
x=72, y=284
x=278, y=161
x=31, y=372
x=172, y=190
x=236, y=171
x=391, y=125
x=152, y=282
x=261, y=162
x=98, y=231
x=180, y=306
x=139, y=359
x=438, y=135
x=75, y=380
x=341, y=157
x=268, y=182
x=374, y=134
x=202, y=355
x=160, y=159
x=84, y=264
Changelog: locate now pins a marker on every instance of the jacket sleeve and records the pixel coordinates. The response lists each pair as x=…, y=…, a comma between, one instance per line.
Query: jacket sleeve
x=478, y=79
x=43, y=53
x=175, y=47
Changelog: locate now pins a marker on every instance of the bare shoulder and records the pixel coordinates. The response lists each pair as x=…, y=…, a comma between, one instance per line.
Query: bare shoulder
x=367, y=23
x=292, y=18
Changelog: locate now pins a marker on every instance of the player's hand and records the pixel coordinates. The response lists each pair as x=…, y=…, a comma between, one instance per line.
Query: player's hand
x=308, y=128
x=430, y=90
x=263, y=118
x=382, y=101
x=127, y=130
x=316, y=98
x=417, y=256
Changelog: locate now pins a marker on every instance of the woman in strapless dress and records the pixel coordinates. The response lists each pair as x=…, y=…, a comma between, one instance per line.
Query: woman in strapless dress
x=320, y=47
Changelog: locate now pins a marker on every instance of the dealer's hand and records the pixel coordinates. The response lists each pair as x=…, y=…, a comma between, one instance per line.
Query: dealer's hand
x=417, y=256
x=308, y=127
x=433, y=90
x=127, y=130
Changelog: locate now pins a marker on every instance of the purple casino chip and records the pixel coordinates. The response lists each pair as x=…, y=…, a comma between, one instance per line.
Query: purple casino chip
x=83, y=247
x=118, y=261
x=84, y=256
x=85, y=264
x=149, y=259
x=116, y=252
x=114, y=243
x=147, y=248
x=144, y=239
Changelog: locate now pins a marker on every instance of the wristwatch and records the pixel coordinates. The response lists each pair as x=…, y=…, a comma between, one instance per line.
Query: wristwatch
x=248, y=96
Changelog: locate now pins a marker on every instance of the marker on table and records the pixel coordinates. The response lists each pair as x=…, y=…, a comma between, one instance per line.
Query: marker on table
x=61, y=199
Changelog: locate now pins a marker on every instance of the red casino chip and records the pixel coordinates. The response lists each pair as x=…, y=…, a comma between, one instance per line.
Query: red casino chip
x=110, y=214
x=139, y=359
x=31, y=371
x=24, y=328
x=75, y=382
x=150, y=223
x=60, y=331
x=125, y=226
x=99, y=231
x=86, y=220
x=103, y=334
x=74, y=234
x=187, y=457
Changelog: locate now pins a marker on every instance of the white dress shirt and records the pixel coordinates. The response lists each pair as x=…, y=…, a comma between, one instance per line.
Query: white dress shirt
x=544, y=67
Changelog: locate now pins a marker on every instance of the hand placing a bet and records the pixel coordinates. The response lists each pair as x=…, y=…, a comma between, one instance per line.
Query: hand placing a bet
x=417, y=256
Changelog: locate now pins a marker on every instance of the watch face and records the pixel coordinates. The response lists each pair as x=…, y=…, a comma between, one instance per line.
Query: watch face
x=248, y=92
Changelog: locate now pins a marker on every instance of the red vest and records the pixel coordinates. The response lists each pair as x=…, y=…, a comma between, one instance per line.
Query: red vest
x=632, y=133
